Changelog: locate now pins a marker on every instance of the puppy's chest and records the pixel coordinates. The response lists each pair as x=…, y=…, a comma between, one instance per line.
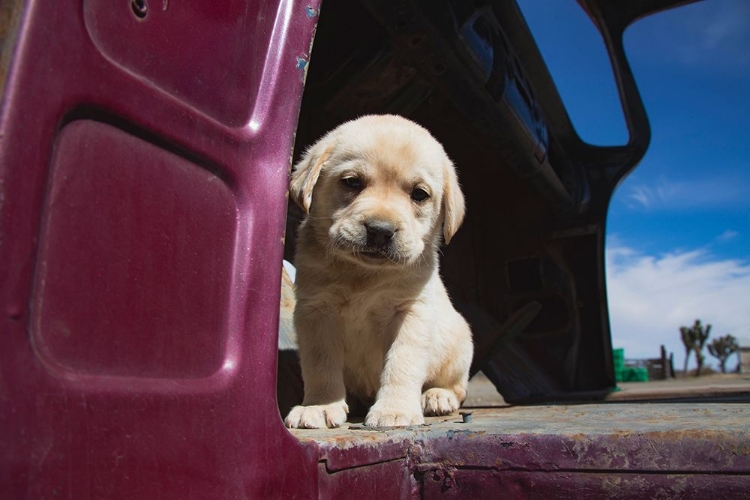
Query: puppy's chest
x=366, y=323
x=362, y=317
x=367, y=329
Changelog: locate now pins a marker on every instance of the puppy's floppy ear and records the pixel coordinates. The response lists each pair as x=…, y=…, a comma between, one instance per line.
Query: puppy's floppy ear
x=307, y=171
x=453, y=203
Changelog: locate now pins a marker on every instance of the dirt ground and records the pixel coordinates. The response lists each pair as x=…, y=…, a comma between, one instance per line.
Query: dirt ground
x=729, y=387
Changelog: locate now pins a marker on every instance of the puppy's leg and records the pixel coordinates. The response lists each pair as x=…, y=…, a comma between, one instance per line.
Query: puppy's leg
x=446, y=388
x=438, y=401
x=321, y=360
x=398, y=400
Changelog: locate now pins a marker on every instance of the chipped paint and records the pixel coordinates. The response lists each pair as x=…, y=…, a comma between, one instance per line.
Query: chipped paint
x=303, y=67
x=451, y=433
x=302, y=62
x=645, y=450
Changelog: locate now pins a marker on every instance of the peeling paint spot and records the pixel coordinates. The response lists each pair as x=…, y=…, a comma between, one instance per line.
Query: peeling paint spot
x=451, y=433
x=311, y=12
x=301, y=63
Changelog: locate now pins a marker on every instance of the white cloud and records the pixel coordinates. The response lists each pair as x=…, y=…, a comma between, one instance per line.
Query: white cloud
x=641, y=194
x=650, y=297
x=693, y=193
x=727, y=235
x=664, y=193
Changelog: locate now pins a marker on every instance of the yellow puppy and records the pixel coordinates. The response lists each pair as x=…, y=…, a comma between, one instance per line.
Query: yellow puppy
x=373, y=317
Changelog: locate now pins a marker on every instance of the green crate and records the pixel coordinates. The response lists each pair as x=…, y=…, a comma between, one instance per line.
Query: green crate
x=618, y=358
x=632, y=374
x=640, y=375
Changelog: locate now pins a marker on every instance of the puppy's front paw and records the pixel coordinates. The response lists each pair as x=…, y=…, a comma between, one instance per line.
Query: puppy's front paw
x=438, y=401
x=392, y=418
x=317, y=416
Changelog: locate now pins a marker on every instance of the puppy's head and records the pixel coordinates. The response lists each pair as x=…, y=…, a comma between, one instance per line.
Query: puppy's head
x=378, y=191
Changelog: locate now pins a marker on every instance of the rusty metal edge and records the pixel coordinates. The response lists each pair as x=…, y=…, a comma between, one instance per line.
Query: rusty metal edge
x=10, y=15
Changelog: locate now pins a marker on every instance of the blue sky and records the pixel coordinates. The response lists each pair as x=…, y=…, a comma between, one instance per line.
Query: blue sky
x=678, y=234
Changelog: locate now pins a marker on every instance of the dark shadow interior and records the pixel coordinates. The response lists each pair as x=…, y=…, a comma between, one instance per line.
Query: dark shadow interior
x=526, y=268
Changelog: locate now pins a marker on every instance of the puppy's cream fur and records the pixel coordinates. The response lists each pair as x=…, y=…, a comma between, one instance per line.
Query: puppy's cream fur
x=373, y=317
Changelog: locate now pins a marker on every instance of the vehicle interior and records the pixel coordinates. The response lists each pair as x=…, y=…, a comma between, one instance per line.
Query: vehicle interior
x=527, y=267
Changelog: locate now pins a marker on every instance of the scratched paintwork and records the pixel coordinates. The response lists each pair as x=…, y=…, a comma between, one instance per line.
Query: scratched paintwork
x=659, y=438
x=462, y=484
x=9, y=14
x=206, y=95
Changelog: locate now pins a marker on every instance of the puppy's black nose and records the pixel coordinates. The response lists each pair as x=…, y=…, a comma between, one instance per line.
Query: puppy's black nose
x=379, y=233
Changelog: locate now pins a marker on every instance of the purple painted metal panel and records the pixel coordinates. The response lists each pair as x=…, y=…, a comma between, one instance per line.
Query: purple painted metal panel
x=380, y=481
x=143, y=172
x=461, y=484
x=146, y=48
x=103, y=306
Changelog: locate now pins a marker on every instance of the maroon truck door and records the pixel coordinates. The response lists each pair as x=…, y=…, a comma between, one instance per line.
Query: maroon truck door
x=144, y=152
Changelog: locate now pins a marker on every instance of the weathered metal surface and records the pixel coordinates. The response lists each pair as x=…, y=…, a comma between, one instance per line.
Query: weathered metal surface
x=10, y=11
x=473, y=483
x=366, y=446
x=144, y=158
x=586, y=448
x=389, y=480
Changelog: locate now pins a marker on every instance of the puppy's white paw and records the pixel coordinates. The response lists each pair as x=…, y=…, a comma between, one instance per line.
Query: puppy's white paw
x=438, y=401
x=392, y=418
x=317, y=416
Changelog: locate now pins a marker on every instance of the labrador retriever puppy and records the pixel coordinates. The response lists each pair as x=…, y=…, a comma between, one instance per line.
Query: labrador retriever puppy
x=373, y=318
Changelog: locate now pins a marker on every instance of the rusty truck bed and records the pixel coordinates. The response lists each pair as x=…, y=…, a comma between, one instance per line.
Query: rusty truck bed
x=634, y=450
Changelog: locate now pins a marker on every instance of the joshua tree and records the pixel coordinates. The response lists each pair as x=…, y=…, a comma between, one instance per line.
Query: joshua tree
x=700, y=334
x=722, y=348
x=695, y=339
x=686, y=334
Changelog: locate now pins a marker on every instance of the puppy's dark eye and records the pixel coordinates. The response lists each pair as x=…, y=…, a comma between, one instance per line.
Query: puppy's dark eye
x=419, y=195
x=352, y=183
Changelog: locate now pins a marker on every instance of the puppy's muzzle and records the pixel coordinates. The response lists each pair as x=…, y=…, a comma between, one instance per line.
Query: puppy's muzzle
x=379, y=241
x=379, y=234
